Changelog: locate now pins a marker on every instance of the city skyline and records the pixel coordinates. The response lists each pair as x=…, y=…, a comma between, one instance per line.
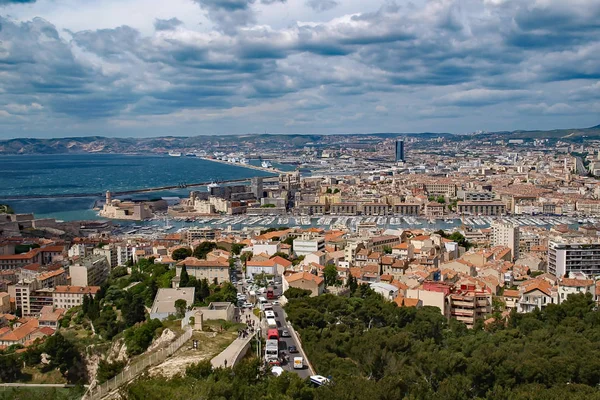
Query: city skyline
x=208, y=67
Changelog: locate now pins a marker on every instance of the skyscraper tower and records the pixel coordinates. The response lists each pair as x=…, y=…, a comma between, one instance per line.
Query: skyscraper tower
x=400, y=151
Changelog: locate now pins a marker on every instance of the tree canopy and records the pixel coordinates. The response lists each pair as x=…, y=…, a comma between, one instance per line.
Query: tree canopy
x=181, y=253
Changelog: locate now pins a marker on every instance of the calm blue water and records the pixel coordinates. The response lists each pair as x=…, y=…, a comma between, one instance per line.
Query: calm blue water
x=47, y=175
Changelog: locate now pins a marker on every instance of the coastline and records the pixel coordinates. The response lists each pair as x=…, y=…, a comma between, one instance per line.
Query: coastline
x=268, y=170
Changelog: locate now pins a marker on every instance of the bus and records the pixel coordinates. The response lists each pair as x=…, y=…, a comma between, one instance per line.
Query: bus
x=272, y=334
x=270, y=294
x=272, y=323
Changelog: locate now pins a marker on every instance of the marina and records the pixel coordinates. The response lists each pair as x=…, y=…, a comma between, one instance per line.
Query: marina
x=332, y=222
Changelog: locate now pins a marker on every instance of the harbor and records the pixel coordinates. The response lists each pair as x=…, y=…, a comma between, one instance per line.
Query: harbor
x=330, y=222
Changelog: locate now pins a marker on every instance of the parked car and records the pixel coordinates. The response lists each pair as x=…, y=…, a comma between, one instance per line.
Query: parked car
x=248, y=305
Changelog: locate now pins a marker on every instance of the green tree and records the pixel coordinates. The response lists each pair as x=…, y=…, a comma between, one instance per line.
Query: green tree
x=330, y=275
x=10, y=368
x=236, y=248
x=204, y=291
x=387, y=249
x=204, y=248
x=65, y=357
x=180, y=307
x=296, y=293
x=135, y=311
x=108, y=370
x=181, y=253
x=184, y=278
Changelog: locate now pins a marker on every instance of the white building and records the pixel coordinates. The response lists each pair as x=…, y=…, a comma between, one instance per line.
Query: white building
x=564, y=258
x=269, y=248
x=71, y=296
x=506, y=234
x=389, y=292
x=90, y=271
x=125, y=253
x=307, y=244
x=568, y=287
x=77, y=250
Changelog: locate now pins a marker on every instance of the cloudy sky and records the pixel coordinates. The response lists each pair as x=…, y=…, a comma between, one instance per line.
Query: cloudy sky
x=187, y=67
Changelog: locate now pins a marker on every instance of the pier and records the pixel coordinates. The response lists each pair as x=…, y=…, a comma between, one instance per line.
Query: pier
x=269, y=170
x=126, y=192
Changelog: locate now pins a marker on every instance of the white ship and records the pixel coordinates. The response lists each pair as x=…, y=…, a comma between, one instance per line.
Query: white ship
x=243, y=160
x=266, y=164
x=175, y=154
x=212, y=185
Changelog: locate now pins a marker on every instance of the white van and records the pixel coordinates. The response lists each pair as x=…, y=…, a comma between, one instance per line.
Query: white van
x=298, y=363
x=319, y=380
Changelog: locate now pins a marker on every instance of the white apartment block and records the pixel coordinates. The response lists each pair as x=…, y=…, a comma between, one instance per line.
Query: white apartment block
x=307, y=244
x=567, y=257
x=506, y=234
x=90, y=271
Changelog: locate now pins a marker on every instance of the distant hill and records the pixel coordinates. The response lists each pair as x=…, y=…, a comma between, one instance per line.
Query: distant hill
x=99, y=144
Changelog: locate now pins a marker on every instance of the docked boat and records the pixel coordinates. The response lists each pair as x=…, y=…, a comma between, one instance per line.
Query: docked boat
x=175, y=154
x=212, y=185
x=266, y=164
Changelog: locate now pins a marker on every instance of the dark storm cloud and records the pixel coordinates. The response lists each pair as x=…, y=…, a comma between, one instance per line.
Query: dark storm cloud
x=166, y=24
x=322, y=5
x=7, y=2
x=472, y=58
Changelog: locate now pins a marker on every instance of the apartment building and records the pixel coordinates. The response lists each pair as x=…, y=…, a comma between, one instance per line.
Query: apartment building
x=201, y=269
x=469, y=304
x=573, y=256
x=378, y=243
x=33, y=293
x=375, y=209
x=488, y=208
x=110, y=252
x=506, y=234
x=197, y=234
x=67, y=297
x=89, y=271
x=312, y=208
x=343, y=209
x=307, y=244
x=406, y=209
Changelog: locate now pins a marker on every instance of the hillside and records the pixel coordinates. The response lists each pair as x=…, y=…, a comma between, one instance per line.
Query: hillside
x=99, y=144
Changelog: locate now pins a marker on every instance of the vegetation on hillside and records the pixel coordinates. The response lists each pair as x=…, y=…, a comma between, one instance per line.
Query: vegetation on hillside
x=374, y=350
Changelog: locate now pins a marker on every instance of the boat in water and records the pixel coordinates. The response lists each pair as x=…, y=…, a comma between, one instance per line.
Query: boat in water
x=175, y=154
x=212, y=185
x=266, y=164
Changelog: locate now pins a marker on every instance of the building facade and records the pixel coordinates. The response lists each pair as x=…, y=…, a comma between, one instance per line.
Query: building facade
x=506, y=234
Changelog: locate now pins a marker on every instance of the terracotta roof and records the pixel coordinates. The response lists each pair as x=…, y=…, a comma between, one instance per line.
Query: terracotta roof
x=21, y=332
x=305, y=276
x=265, y=263
x=575, y=282
x=511, y=293
x=401, y=246
x=77, y=289
x=538, y=284
x=194, y=262
x=281, y=261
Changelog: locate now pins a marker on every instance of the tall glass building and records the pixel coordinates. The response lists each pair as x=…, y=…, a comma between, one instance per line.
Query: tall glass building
x=400, y=151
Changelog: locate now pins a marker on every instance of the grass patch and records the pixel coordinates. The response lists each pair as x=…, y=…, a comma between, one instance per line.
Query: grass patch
x=37, y=376
x=30, y=393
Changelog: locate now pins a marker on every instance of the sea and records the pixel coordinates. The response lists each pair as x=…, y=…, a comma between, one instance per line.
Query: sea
x=61, y=180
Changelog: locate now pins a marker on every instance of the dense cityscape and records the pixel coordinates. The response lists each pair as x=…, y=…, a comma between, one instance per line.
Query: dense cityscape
x=299, y=200
x=156, y=287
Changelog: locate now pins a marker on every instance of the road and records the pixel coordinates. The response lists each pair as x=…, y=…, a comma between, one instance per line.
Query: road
x=282, y=324
x=285, y=342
